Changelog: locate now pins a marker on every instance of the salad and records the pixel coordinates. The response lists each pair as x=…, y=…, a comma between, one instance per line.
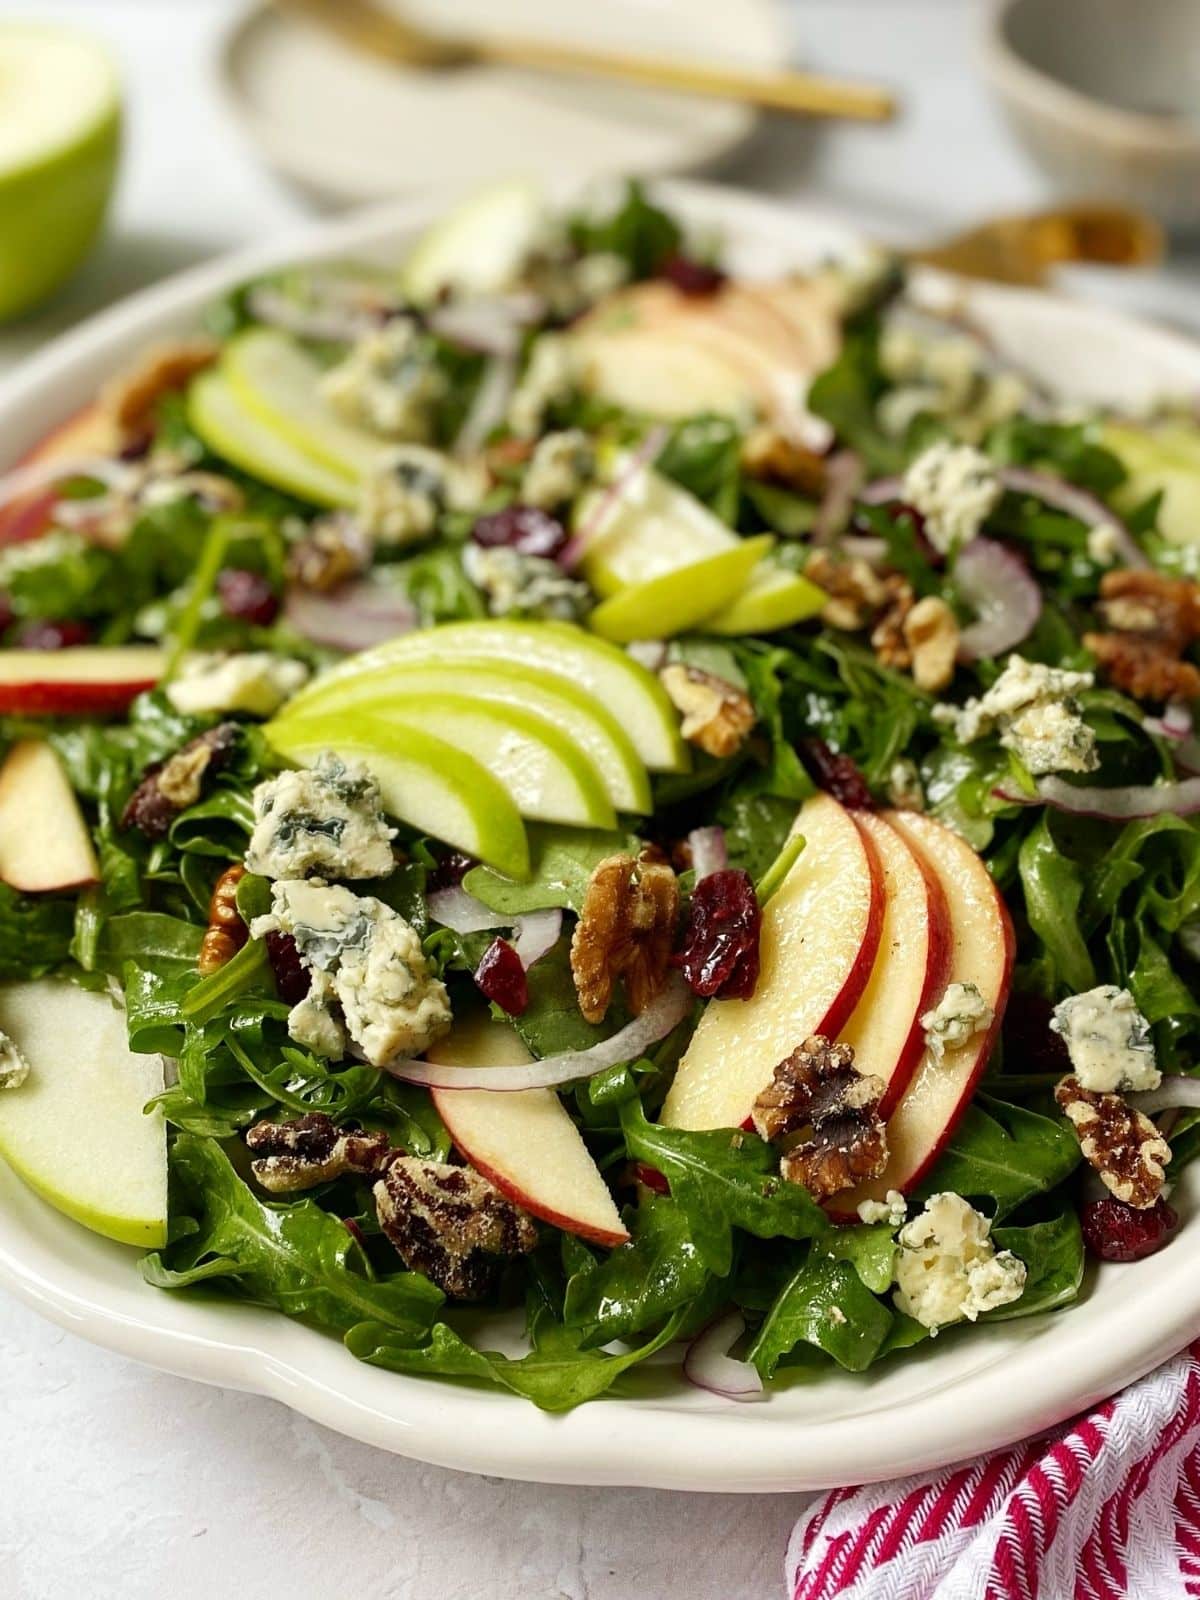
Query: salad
x=551, y=787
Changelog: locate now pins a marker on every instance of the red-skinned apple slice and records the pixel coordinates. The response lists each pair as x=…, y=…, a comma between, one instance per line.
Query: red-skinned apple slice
x=89, y=432
x=982, y=946
x=820, y=936
x=44, y=842
x=524, y=1142
x=910, y=970
x=76, y=682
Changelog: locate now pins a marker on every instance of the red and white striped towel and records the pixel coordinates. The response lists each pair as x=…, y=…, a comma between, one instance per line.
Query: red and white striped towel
x=1104, y=1508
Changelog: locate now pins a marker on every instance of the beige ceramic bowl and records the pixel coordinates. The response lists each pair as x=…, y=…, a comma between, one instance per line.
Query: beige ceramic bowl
x=1105, y=95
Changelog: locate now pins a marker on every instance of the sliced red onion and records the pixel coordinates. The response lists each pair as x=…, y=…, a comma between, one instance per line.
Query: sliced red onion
x=709, y=1365
x=338, y=321
x=493, y=327
x=536, y=934
x=1175, y=1090
x=1187, y=755
x=643, y=457
x=709, y=852
x=648, y=653
x=1175, y=722
x=1126, y=804
x=353, y=617
x=489, y=405
x=454, y=908
x=1074, y=502
x=664, y=1012
x=865, y=547
x=999, y=588
x=882, y=491
x=843, y=475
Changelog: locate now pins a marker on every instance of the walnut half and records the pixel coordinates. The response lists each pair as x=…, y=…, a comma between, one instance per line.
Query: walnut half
x=1151, y=620
x=450, y=1223
x=626, y=929
x=825, y=1114
x=717, y=716
x=1122, y=1144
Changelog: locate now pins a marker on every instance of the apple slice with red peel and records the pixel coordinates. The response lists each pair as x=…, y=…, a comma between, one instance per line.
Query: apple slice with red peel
x=910, y=970
x=982, y=946
x=90, y=432
x=524, y=1142
x=820, y=935
x=44, y=841
x=84, y=680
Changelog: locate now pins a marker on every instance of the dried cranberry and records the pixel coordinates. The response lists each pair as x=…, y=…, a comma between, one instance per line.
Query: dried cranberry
x=837, y=774
x=247, y=596
x=501, y=978
x=528, y=529
x=449, y=872
x=652, y=1178
x=49, y=635
x=719, y=955
x=1029, y=1045
x=292, y=977
x=138, y=447
x=691, y=277
x=1117, y=1232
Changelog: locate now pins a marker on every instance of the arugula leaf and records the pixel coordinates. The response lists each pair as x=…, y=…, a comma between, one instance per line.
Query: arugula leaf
x=1053, y=886
x=296, y=1258
x=552, y=1021
x=637, y=230
x=870, y=1248
x=1053, y=1255
x=846, y=395
x=150, y=940
x=638, y=1283
x=721, y=1180
x=35, y=935
x=825, y=1303
x=703, y=455
x=561, y=860
x=1005, y=1154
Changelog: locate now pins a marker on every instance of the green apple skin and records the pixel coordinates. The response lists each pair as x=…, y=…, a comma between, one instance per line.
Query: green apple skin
x=478, y=247
x=681, y=599
x=424, y=781
x=1162, y=458
x=560, y=649
x=76, y=1131
x=220, y=418
x=773, y=598
x=51, y=213
x=578, y=714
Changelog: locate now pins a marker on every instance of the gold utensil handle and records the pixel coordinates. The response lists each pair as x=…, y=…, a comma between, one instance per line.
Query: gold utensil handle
x=798, y=93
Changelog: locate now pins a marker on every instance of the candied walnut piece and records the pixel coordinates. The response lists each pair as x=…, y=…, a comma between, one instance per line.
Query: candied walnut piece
x=825, y=1114
x=450, y=1223
x=774, y=458
x=131, y=397
x=334, y=550
x=171, y=786
x=717, y=716
x=888, y=638
x=856, y=591
x=226, y=932
x=931, y=634
x=1122, y=1144
x=626, y=929
x=720, y=950
x=290, y=1156
x=1151, y=620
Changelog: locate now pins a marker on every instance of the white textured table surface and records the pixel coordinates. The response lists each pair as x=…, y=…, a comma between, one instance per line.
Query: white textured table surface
x=119, y=1481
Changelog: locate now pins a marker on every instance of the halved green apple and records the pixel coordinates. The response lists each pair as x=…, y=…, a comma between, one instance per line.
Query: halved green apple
x=561, y=651
x=773, y=598
x=231, y=430
x=477, y=248
x=424, y=781
x=681, y=598
x=279, y=382
x=76, y=1130
x=398, y=686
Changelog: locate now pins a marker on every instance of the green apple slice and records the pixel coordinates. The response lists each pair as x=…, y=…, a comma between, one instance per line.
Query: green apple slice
x=681, y=598
x=60, y=136
x=239, y=436
x=773, y=598
x=651, y=527
x=478, y=248
x=424, y=781
x=279, y=382
x=560, y=650
x=76, y=1130
x=1160, y=459
x=548, y=776
x=504, y=683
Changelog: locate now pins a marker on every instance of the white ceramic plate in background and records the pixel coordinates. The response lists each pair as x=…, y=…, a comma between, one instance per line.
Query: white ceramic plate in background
x=349, y=129
x=954, y=1398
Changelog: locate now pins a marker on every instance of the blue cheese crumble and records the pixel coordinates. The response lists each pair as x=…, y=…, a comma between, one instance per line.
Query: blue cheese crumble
x=1108, y=1040
x=390, y=382
x=530, y=586
x=549, y=380
x=948, y=1268
x=14, y=1069
x=400, y=502
x=892, y=1209
x=956, y=489
x=327, y=820
x=560, y=468
x=256, y=682
x=372, y=990
x=1033, y=709
x=959, y=1015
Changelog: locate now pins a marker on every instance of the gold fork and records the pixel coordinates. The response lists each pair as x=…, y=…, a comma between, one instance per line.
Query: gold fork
x=1026, y=249
x=381, y=32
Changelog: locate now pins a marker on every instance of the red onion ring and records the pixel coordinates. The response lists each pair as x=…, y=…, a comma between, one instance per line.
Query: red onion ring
x=709, y=852
x=1074, y=502
x=1176, y=1089
x=843, y=475
x=353, y=617
x=881, y=491
x=1127, y=804
x=643, y=457
x=1000, y=589
x=536, y=934
x=665, y=1011
x=459, y=911
x=1175, y=722
x=337, y=322
x=708, y=1364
